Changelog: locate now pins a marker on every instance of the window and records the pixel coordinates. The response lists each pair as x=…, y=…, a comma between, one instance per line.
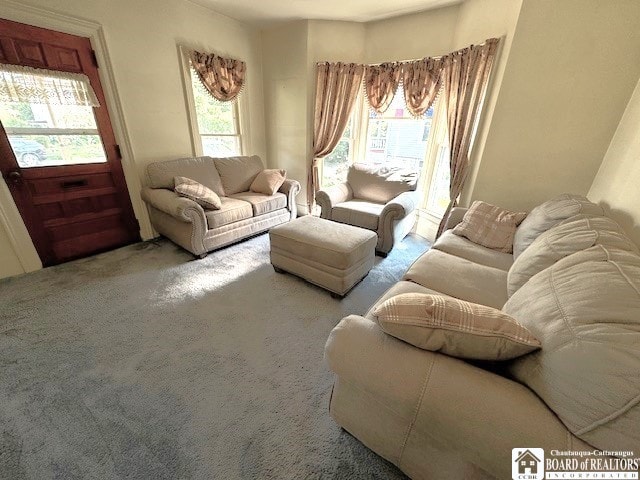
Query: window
x=395, y=138
x=215, y=125
x=48, y=135
x=336, y=164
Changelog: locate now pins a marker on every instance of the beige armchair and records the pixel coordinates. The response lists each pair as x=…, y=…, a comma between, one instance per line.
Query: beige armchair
x=377, y=199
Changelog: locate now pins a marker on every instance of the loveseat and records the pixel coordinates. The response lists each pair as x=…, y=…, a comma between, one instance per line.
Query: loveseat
x=574, y=281
x=243, y=213
x=376, y=198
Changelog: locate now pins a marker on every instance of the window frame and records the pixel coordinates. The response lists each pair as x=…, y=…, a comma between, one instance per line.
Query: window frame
x=239, y=111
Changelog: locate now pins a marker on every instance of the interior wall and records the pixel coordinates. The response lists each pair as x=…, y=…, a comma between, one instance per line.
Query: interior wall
x=571, y=70
x=284, y=50
x=142, y=39
x=616, y=184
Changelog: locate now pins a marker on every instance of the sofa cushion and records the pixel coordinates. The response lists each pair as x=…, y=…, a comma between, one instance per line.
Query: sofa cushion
x=379, y=184
x=459, y=278
x=200, y=169
x=399, y=288
x=462, y=247
x=550, y=213
x=359, y=213
x=490, y=226
x=268, y=181
x=454, y=327
x=197, y=192
x=571, y=236
x=232, y=210
x=584, y=309
x=237, y=173
x=262, y=204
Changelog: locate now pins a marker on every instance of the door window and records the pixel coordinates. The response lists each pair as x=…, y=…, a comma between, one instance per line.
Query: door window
x=43, y=135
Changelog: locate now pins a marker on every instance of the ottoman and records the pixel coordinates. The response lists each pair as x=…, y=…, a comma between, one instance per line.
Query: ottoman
x=331, y=255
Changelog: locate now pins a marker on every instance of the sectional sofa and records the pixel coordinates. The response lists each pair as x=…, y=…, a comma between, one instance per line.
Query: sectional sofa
x=243, y=213
x=574, y=282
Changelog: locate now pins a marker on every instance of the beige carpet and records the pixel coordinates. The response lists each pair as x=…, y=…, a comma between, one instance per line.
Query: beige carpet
x=143, y=363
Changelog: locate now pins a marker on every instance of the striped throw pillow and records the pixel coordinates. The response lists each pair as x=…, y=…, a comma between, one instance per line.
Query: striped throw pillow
x=197, y=192
x=490, y=226
x=454, y=327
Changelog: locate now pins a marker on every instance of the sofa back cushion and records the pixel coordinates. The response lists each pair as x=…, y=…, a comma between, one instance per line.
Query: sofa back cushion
x=238, y=173
x=200, y=169
x=584, y=310
x=550, y=213
x=379, y=184
x=573, y=235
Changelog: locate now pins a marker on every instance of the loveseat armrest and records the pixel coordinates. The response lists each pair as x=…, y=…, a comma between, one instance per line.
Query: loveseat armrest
x=455, y=217
x=434, y=401
x=328, y=198
x=169, y=202
x=291, y=188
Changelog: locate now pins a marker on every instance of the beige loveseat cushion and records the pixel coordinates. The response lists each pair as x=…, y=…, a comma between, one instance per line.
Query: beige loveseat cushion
x=238, y=173
x=200, y=169
x=585, y=311
x=379, y=184
x=459, y=278
x=232, y=210
x=261, y=203
x=573, y=235
x=548, y=214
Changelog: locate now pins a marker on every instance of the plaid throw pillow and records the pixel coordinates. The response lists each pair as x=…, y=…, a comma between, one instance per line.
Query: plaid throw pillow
x=454, y=327
x=197, y=192
x=490, y=226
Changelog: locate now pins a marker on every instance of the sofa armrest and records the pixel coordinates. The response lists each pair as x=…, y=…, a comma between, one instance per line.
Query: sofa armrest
x=455, y=217
x=169, y=202
x=291, y=188
x=329, y=197
x=451, y=404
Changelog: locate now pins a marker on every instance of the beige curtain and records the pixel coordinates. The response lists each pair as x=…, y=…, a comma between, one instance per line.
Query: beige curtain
x=222, y=77
x=465, y=78
x=380, y=85
x=421, y=81
x=337, y=87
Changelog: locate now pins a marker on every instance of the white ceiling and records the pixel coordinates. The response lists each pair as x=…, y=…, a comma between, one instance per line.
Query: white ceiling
x=264, y=12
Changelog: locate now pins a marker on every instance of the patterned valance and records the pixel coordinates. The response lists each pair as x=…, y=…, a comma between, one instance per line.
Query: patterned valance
x=49, y=87
x=222, y=77
x=380, y=85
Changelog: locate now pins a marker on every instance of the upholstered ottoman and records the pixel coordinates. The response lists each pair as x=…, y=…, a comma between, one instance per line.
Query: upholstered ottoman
x=331, y=255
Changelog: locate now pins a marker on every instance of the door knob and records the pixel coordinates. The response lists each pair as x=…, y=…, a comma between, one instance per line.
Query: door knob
x=14, y=176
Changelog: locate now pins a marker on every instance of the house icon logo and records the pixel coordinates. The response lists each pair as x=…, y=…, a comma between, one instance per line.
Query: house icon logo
x=527, y=463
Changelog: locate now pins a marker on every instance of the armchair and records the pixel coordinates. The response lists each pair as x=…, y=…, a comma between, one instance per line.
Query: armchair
x=377, y=199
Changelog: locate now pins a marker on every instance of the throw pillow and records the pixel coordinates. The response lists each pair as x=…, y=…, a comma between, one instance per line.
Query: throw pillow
x=490, y=226
x=268, y=181
x=454, y=327
x=197, y=192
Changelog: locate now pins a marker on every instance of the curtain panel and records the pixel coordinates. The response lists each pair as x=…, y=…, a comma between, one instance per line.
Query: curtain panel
x=222, y=77
x=337, y=87
x=380, y=85
x=42, y=86
x=465, y=79
x=421, y=82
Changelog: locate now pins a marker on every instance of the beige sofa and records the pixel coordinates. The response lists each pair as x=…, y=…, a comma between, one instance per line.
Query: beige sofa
x=574, y=281
x=377, y=199
x=243, y=213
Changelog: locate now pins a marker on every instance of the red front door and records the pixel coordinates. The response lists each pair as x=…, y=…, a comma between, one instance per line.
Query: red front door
x=61, y=162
